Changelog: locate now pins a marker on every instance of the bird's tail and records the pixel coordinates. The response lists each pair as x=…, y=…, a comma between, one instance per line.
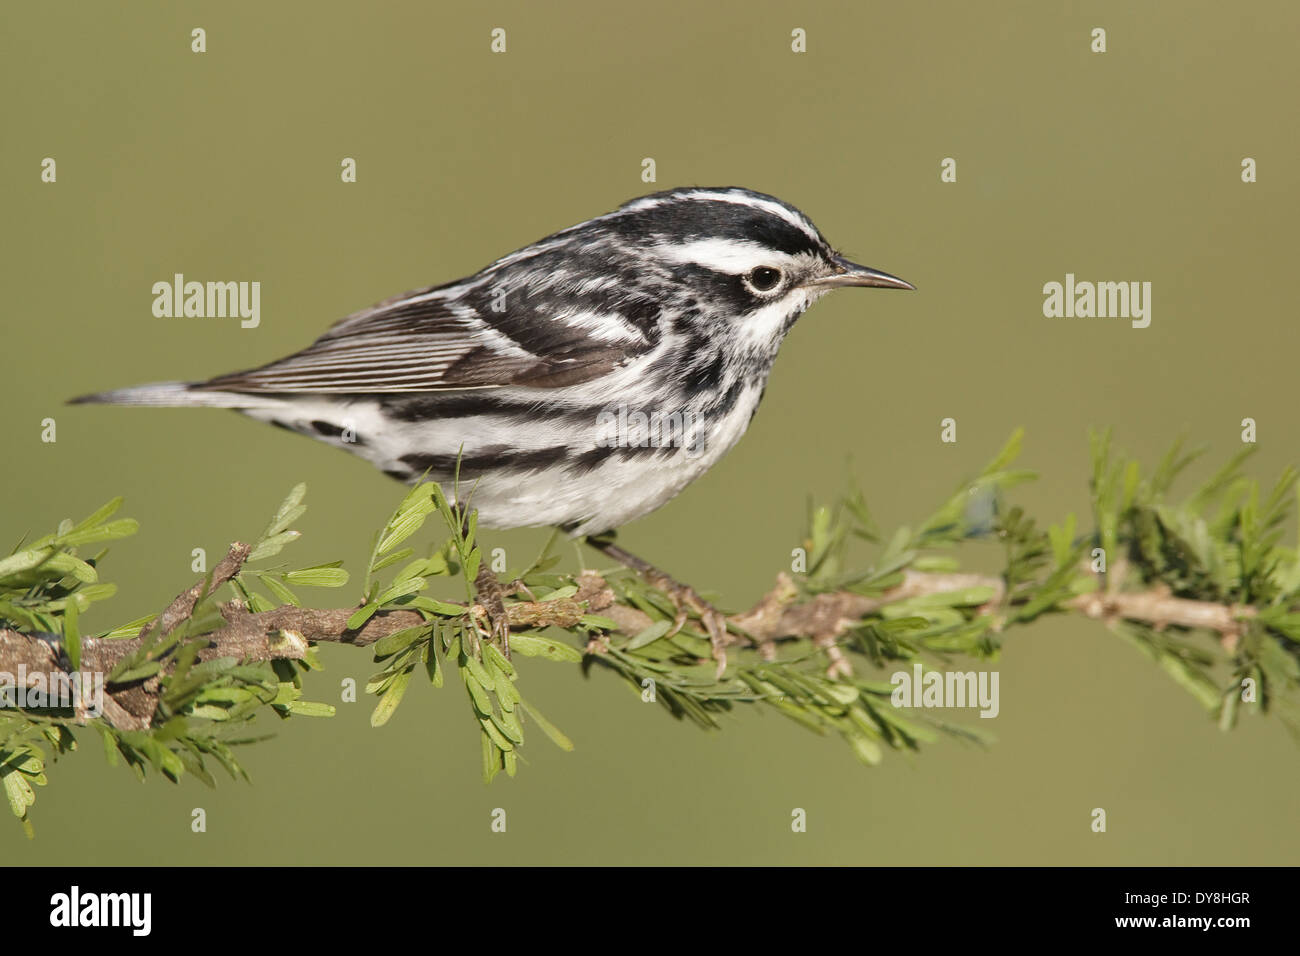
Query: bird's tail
x=173, y=395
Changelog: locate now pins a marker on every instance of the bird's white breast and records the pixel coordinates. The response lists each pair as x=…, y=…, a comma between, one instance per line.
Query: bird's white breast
x=616, y=491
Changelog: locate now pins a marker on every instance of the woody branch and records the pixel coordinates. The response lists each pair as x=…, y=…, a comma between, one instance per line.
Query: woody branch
x=285, y=633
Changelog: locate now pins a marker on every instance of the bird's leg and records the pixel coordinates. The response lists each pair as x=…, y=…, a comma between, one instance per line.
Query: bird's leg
x=683, y=596
x=491, y=594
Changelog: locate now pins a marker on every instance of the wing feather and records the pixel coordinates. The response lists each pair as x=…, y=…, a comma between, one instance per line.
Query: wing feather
x=441, y=338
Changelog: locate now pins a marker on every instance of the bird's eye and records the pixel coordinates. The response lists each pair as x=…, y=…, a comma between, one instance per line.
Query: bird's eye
x=763, y=278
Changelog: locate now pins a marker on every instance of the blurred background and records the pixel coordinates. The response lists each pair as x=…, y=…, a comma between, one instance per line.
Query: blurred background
x=1121, y=166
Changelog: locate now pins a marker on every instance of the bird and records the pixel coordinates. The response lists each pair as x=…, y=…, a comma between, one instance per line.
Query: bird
x=579, y=382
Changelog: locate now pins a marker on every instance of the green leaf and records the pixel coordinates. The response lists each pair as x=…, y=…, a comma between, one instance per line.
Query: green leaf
x=391, y=698
x=132, y=674
x=361, y=615
x=400, y=640
x=258, y=604
x=1197, y=684
x=482, y=703
x=419, y=496
x=498, y=660
x=479, y=673
x=122, y=528
x=270, y=547
x=508, y=724
x=72, y=635
x=280, y=590
x=865, y=749
x=961, y=597
x=311, y=708
x=531, y=645
x=290, y=510
x=319, y=576
x=96, y=517
x=501, y=741
x=431, y=666
x=491, y=756
x=845, y=694
x=388, y=560
x=19, y=792
x=47, y=560
x=937, y=563
x=1062, y=539
x=648, y=636
x=444, y=509
x=434, y=606
x=1009, y=453
x=401, y=589
x=415, y=507
x=423, y=568
x=405, y=526
x=554, y=733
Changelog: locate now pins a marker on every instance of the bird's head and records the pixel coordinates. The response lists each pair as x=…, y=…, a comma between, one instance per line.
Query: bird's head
x=745, y=258
x=728, y=265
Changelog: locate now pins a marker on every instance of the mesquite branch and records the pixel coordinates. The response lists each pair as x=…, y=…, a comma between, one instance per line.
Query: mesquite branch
x=782, y=614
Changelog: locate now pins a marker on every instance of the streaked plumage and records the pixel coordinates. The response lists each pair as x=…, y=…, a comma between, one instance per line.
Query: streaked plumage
x=655, y=307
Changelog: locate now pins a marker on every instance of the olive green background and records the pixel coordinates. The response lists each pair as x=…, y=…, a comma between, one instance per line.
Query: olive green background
x=225, y=165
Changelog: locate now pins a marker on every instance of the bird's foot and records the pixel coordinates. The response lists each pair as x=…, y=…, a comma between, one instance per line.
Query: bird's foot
x=492, y=608
x=685, y=600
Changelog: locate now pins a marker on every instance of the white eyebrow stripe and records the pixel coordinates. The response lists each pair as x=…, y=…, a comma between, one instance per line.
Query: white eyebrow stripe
x=636, y=205
x=754, y=202
x=735, y=256
x=740, y=199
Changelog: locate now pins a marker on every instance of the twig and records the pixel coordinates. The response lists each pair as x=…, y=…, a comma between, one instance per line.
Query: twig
x=1159, y=608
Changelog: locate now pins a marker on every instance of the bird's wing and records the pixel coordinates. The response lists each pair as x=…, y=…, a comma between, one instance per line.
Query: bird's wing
x=437, y=339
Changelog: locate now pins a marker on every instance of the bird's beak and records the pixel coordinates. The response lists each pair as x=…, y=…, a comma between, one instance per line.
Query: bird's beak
x=850, y=273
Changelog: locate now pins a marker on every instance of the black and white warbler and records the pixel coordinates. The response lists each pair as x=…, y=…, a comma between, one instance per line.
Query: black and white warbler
x=581, y=381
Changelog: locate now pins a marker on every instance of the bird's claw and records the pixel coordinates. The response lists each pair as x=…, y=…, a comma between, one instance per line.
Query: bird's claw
x=685, y=599
x=492, y=599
